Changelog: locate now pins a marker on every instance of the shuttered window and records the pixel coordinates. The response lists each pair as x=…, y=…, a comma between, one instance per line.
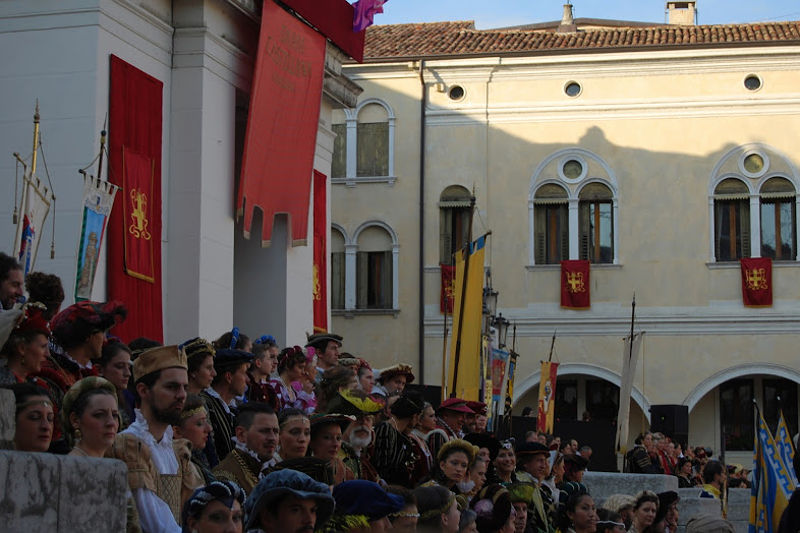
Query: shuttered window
x=596, y=224
x=374, y=269
x=731, y=220
x=778, y=227
x=454, y=206
x=337, y=270
x=551, y=225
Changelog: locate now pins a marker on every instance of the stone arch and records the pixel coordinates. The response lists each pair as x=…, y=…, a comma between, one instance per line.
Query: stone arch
x=567, y=369
x=714, y=381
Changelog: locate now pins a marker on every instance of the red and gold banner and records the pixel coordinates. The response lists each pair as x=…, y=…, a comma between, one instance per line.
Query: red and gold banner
x=137, y=182
x=547, y=397
x=575, y=284
x=757, y=281
x=321, y=232
x=134, y=232
x=447, y=292
x=282, y=123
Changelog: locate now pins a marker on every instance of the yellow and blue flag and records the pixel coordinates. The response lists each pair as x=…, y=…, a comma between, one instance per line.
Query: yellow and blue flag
x=772, y=484
x=465, y=381
x=783, y=441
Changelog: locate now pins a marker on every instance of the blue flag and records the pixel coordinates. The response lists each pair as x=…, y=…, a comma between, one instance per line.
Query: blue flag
x=783, y=441
x=772, y=484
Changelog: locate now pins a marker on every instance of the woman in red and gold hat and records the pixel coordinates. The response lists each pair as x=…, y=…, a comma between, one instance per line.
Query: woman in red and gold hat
x=27, y=346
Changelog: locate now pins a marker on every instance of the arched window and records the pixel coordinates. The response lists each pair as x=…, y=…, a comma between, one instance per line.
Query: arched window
x=454, y=206
x=596, y=221
x=363, y=147
x=778, y=226
x=337, y=269
x=372, y=135
x=374, y=269
x=551, y=205
x=731, y=220
x=573, y=209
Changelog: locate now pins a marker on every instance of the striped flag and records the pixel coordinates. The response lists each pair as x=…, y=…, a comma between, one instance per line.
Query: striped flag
x=772, y=484
x=783, y=441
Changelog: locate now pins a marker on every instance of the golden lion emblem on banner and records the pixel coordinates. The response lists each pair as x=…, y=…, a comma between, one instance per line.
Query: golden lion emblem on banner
x=575, y=283
x=139, y=222
x=756, y=279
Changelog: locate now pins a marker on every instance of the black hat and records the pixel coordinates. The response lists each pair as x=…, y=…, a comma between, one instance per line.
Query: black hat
x=226, y=360
x=484, y=440
x=320, y=340
x=532, y=448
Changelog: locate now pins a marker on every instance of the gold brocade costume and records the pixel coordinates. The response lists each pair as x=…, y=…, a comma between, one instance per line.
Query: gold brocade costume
x=173, y=489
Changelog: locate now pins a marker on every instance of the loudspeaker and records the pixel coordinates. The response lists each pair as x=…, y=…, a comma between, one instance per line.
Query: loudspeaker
x=671, y=420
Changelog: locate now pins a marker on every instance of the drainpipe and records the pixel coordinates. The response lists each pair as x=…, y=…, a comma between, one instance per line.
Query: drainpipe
x=421, y=310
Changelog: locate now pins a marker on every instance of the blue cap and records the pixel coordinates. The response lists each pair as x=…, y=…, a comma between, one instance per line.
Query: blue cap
x=280, y=483
x=361, y=497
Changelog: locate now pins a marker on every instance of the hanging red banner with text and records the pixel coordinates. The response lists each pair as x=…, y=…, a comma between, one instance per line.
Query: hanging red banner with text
x=757, y=281
x=282, y=122
x=575, y=284
x=321, y=232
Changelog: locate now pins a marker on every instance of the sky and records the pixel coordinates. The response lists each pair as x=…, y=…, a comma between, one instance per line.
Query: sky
x=499, y=13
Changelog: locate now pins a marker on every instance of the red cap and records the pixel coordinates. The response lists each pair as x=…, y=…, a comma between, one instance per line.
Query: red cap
x=34, y=320
x=479, y=408
x=456, y=404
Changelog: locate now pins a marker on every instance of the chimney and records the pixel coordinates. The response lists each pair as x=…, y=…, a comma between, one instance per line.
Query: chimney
x=682, y=13
x=567, y=21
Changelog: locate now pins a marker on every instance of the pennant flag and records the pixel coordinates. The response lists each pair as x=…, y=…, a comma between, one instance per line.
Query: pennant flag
x=772, y=485
x=36, y=201
x=499, y=363
x=575, y=284
x=320, y=268
x=463, y=369
x=783, y=440
x=98, y=199
x=281, y=136
x=547, y=396
x=630, y=357
x=447, y=292
x=365, y=11
x=757, y=281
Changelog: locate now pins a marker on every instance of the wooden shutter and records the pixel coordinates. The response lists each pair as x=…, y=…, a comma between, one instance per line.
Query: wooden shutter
x=362, y=279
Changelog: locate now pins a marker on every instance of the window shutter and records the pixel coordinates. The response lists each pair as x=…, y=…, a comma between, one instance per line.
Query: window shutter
x=445, y=235
x=584, y=213
x=540, y=248
x=744, y=226
x=564, y=227
x=362, y=279
x=386, y=281
x=717, y=229
x=337, y=280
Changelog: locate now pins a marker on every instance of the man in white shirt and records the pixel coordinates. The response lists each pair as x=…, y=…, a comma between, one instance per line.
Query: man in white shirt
x=158, y=469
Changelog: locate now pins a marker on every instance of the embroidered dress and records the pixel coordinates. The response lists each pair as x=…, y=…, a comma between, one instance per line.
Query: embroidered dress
x=296, y=397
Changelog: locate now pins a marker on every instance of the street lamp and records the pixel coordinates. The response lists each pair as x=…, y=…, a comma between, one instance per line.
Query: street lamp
x=501, y=324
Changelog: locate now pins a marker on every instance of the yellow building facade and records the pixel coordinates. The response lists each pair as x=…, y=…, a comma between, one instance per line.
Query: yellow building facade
x=661, y=153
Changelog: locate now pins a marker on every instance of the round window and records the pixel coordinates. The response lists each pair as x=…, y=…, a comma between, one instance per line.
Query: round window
x=456, y=92
x=572, y=89
x=754, y=164
x=572, y=169
x=752, y=82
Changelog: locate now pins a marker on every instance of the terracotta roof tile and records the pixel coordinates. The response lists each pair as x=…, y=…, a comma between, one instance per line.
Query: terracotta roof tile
x=462, y=39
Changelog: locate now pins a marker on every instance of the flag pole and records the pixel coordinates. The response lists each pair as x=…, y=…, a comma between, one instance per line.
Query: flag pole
x=444, y=349
x=552, y=344
x=457, y=334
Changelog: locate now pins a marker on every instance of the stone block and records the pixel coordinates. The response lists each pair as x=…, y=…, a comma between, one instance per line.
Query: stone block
x=603, y=484
x=739, y=505
x=7, y=422
x=61, y=494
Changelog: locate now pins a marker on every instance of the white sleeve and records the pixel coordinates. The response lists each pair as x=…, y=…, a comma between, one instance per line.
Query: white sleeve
x=155, y=515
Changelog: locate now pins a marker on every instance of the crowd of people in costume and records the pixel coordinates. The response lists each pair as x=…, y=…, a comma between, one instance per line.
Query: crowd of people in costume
x=240, y=434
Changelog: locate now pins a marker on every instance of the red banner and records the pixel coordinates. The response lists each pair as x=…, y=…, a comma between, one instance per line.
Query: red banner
x=282, y=124
x=447, y=291
x=333, y=19
x=134, y=263
x=757, y=281
x=137, y=206
x=575, y=284
x=321, y=232
x=547, y=397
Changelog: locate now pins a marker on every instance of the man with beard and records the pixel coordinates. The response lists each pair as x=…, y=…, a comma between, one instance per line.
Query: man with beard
x=256, y=440
x=157, y=472
x=358, y=436
x=12, y=281
x=220, y=398
x=471, y=420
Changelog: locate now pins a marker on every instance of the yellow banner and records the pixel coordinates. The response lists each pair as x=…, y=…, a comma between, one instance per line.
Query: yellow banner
x=464, y=376
x=547, y=397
